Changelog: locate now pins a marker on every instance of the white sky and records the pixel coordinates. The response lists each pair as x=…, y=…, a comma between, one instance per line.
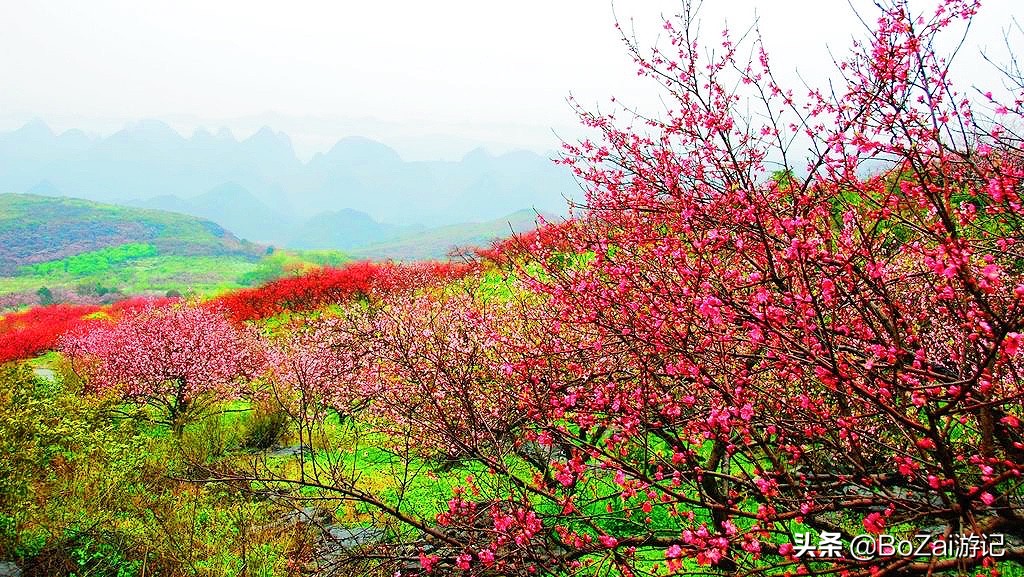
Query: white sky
x=400, y=70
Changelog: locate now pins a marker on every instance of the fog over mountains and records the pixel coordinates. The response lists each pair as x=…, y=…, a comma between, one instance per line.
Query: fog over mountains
x=358, y=192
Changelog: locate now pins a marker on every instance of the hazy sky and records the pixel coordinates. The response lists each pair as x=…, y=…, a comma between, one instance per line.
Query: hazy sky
x=493, y=72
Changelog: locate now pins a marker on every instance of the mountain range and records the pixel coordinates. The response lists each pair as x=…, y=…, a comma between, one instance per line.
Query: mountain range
x=358, y=193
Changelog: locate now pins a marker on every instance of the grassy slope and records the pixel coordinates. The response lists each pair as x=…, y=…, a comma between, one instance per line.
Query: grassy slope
x=39, y=228
x=71, y=244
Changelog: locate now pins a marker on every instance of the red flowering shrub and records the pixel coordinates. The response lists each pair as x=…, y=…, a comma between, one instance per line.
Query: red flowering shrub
x=30, y=332
x=546, y=236
x=332, y=285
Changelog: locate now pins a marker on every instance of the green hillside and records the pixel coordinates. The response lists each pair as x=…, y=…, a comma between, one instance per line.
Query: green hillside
x=70, y=250
x=35, y=229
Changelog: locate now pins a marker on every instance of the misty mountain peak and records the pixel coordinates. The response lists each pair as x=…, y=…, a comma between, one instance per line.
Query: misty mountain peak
x=357, y=149
x=265, y=142
x=151, y=131
x=267, y=134
x=259, y=188
x=201, y=134
x=228, y=192
x=34, y=129
x=477, y=155
x=74, y=134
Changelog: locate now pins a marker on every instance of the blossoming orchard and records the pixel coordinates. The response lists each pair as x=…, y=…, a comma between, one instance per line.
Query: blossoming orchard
x=781, y=313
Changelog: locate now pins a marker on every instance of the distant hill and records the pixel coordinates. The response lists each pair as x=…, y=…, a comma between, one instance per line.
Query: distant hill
x=370, y=177
x=344, y=229
x=36, y=229
x=438, y=243
x=258, y=188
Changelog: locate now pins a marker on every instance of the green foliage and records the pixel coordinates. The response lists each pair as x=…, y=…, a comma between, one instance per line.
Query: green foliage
x=571, y=261
x=45, y=296
x=207, y=440
x=269, y=268
x=97, y=289
x=50, y=440
x=100, y=248
x=95, y=556
x=70, y=222
x=324, y=257
x=203, y=275
x=88, y=489
x=785, y=179
x=278, y=263
x=27, y=444
x=495, y=285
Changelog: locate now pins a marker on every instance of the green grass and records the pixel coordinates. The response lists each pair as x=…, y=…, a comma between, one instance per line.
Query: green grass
x=436, y=243
x=92, y=262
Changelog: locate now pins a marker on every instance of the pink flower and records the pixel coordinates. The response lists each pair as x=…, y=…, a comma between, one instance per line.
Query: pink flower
x=428, y=561
x=747, y=412
x=620, y=478
x=874, y=523
x=1011, y=344
x=608, y=541
x=565, y=477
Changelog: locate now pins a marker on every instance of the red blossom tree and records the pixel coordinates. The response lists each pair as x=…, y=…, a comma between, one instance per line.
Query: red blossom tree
x=756, y=357
x=734, y=344
x=179, y=358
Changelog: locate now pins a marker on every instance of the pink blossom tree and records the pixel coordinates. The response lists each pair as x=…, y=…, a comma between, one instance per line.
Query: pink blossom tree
x=179, y=358
x=835, y=349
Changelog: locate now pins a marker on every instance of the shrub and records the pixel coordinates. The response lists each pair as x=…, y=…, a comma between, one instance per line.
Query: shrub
x=266, y=427
x=331, y=285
